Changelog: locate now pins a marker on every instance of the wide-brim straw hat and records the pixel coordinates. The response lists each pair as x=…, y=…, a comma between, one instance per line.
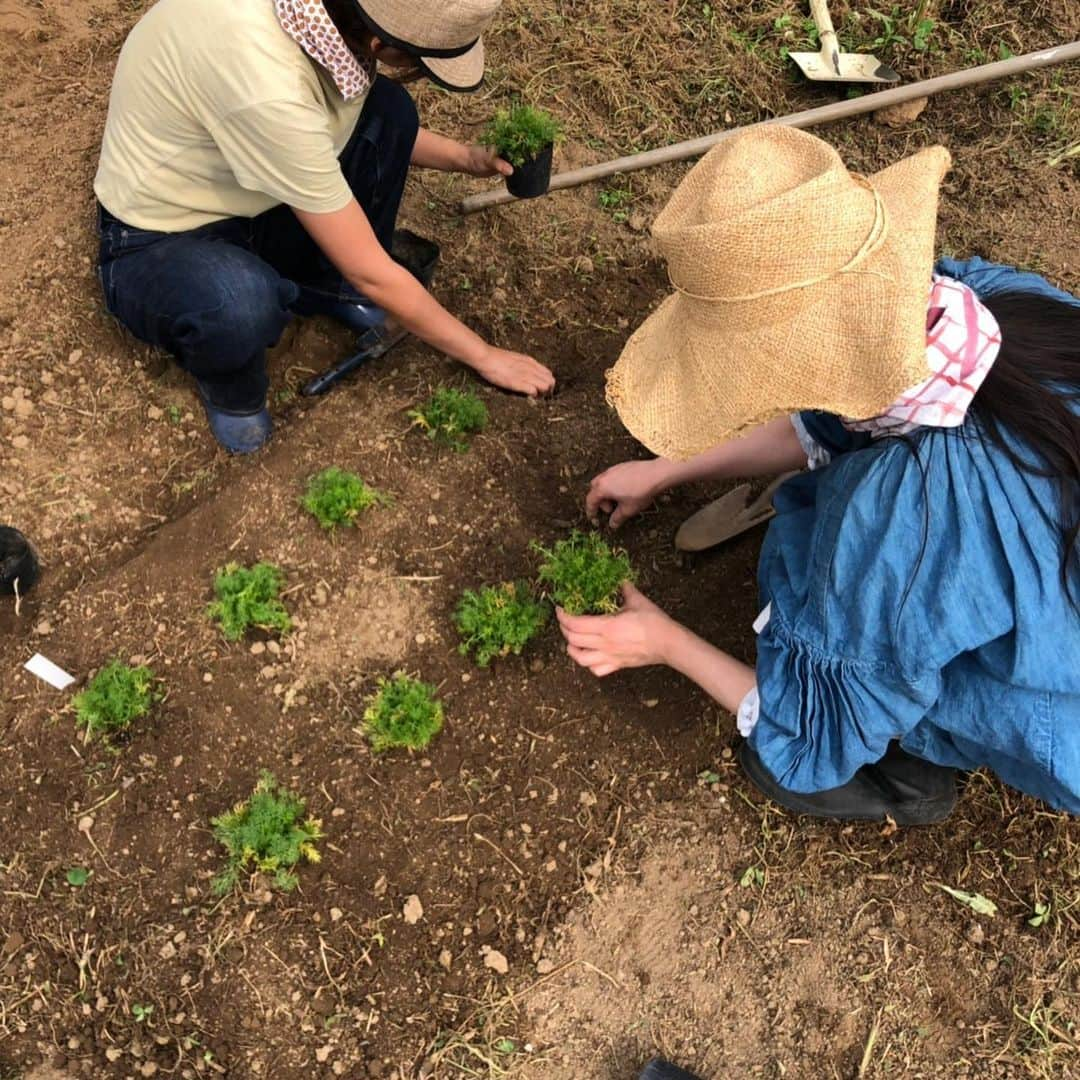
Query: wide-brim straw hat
x=798, y=285
x=444, y=35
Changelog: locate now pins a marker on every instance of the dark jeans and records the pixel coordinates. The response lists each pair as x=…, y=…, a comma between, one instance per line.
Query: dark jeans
x=219, y=296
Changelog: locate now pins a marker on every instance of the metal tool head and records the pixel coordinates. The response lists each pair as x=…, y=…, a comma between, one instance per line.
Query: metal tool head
x=830, y=66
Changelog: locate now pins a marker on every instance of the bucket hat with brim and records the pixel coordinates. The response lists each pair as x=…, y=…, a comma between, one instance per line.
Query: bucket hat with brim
x=444, y=35
x=798, y=285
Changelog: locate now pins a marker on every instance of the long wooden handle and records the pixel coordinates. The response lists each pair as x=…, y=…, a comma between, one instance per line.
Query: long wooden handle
x=830, y=45
x=824, y=114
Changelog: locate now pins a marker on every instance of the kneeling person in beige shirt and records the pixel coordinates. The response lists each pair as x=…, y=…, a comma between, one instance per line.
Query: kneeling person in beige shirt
x=252, y=168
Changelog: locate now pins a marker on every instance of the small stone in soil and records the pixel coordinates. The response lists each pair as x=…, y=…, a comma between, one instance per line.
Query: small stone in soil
x=495, y=960
x=413, y=910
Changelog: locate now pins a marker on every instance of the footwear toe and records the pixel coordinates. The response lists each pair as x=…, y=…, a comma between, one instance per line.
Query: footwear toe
x=238, y=432
x=659, y=1069
x=358, y=315
x=901, y=787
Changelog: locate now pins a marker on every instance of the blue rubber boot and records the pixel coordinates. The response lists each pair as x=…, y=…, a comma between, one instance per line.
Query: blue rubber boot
x=659, y=1069
x=237, y=432
x=359, y=315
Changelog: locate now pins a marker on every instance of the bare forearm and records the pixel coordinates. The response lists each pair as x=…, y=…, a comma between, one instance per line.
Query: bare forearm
x=348, y=241
x=768, y=450
x=397, y=292
x=346, y=238
x=721, y=676
x=433, y=151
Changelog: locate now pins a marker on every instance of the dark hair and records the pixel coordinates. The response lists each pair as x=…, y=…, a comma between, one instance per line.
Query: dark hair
x=1031, y=392
x=348, y=18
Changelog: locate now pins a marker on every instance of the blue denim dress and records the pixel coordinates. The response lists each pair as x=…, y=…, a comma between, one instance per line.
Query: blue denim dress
x=918, y=596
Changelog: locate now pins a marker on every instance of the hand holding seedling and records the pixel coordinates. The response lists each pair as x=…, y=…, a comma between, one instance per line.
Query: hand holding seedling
x=634, y=637
x=483, y=161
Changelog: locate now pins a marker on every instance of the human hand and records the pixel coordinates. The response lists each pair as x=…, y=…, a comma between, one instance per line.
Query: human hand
x=635, y=637
x=483, y=161
x=515, y=371
x=624, y=490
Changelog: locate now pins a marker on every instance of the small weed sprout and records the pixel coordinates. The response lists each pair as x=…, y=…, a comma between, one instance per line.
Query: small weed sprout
x=615, y=201
x=583, y=574
x=268, y=834
x=498, y=620
x=115, y=698
x=521, y=133
x=450, y=416
x=336, y=497
x=405, y=712
x=246, y=597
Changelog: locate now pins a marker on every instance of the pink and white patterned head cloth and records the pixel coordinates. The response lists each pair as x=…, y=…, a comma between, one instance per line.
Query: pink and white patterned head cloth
x=962, y=343
x=309, y=25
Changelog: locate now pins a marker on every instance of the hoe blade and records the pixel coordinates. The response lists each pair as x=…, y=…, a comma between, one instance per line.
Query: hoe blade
x=844, y=67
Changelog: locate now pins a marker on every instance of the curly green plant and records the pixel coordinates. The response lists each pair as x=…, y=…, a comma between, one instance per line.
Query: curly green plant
x=114, y=699
x=583, y=574
x=450, y=416
x=337, y=497
x=498, y=620
x=404, y=712
x=249, y=596
x=268, y=834
x=521, y=133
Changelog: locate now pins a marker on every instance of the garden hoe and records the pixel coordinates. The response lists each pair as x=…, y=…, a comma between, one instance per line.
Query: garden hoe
x=830, y=64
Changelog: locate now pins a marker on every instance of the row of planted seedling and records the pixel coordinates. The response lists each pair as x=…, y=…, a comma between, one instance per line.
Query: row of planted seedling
x=269, y=832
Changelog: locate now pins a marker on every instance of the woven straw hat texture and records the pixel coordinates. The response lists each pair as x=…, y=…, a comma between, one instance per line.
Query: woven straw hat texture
x=445, y=33
x=799, y=285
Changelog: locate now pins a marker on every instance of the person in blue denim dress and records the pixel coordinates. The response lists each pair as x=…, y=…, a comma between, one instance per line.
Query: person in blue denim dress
x=920, y=584
x=252, y=168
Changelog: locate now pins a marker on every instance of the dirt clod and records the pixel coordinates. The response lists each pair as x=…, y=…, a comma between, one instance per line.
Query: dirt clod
x=496, y=961
x=413, y=910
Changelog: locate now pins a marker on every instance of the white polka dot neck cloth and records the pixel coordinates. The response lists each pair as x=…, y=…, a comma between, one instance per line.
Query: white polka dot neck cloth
x=309, y=25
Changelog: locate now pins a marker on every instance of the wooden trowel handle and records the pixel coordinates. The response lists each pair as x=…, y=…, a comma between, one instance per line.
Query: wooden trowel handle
x=830, y=47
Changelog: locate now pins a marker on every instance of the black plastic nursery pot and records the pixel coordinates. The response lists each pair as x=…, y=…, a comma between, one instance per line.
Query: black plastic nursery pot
x=532, y=178
x=417, y=255
x=18, y=564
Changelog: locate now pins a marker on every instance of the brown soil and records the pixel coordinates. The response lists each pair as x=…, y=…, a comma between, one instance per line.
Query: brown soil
x=556, y=821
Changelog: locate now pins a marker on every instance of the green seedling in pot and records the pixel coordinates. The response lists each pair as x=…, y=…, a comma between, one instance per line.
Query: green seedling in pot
x=498, y=620
x=337, y=497
x=583, y=574
x=114, y=699
x=526, y=137
x=267, y=833
x=247, y=597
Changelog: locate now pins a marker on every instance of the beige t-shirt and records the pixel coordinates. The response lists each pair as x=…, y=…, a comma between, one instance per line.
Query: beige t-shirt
x=216, y=112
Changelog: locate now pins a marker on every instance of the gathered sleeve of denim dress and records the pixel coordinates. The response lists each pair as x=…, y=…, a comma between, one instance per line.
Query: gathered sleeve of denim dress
x=916, y=594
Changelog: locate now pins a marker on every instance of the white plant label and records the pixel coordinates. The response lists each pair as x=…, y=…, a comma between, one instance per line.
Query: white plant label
x=47, y=671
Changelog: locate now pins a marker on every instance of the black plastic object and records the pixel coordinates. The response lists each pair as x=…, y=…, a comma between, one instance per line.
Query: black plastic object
x=18, y=564
x=370, y=346
x=532, y=178
x=659, y=1069
x=419, y=257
